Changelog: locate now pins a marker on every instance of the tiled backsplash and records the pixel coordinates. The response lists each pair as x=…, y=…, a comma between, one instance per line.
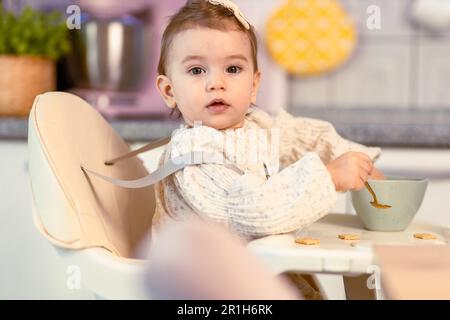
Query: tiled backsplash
x=399, y=66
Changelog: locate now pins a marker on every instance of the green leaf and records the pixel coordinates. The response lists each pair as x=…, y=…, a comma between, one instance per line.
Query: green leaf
x=32, y=32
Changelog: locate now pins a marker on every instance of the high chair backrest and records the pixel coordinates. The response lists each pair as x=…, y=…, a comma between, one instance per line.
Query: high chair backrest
x=72, y=210
x=89, y=189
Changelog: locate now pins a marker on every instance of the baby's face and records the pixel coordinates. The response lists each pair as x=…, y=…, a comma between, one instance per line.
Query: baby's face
x=206, y=64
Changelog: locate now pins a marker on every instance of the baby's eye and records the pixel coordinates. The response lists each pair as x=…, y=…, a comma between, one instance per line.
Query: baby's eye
x=234, y=69
x=196, y=70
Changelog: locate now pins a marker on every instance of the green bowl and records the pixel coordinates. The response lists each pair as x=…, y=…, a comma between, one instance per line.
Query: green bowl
x=403, y=195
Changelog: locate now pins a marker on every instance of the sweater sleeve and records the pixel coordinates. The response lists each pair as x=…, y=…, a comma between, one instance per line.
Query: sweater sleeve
x=299, y=135
x=250, y=205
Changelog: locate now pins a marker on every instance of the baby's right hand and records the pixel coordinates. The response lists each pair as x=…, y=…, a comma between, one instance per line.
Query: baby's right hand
x=350, y=170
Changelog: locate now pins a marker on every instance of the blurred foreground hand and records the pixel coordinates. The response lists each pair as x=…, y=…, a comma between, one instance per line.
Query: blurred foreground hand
x=197, y=260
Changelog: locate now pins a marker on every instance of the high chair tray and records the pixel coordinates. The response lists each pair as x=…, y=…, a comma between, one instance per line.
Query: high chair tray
x=334, y=255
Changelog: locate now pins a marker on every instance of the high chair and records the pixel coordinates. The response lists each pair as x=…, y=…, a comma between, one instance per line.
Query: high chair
x=95, y=222
x=95, y=225
x=92, y=197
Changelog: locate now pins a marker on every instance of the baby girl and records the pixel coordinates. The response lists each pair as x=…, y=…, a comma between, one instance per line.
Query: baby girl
x=208, y=74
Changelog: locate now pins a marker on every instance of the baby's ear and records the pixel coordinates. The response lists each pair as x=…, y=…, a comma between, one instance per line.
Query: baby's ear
x=255, y=87
x=164, y=86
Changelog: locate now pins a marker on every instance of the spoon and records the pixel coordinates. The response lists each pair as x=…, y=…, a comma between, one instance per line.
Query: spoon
x=374, y=196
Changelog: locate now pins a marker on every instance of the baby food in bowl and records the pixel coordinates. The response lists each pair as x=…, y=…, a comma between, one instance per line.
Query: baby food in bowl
x=402, y=198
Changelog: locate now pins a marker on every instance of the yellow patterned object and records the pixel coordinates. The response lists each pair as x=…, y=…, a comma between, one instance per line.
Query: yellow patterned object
x=309, y=37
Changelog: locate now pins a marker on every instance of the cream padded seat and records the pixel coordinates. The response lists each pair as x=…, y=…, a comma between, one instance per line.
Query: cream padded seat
x=93, y=224
x=71, y=209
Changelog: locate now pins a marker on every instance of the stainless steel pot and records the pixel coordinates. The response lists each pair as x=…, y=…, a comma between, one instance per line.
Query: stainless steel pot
x=109, y=54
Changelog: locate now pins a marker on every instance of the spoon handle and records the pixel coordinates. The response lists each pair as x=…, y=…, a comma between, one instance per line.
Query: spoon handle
x=371, y=191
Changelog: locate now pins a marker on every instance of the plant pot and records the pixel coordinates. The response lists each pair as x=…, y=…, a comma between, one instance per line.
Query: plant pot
x=22, y=78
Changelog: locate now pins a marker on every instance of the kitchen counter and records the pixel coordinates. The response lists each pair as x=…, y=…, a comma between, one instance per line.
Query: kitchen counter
x=130, y=129
x=389, y=127
x=383, y=127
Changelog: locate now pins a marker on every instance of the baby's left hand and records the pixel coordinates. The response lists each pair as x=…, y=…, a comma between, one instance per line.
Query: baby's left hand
x=376, y=174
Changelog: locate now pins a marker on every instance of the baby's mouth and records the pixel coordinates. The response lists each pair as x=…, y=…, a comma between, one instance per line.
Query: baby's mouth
x=217, y=105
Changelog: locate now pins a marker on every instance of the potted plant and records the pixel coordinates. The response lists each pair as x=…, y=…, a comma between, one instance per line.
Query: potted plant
x=30, y=44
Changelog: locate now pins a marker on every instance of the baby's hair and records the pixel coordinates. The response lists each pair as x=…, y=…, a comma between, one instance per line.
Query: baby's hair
x=201, y=13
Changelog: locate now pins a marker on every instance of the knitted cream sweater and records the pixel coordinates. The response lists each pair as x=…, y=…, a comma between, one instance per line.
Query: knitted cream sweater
x=284, y=185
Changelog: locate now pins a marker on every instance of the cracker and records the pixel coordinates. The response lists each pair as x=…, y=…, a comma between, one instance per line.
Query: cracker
x=425, y=236
x=349, y=236
x=307, y=241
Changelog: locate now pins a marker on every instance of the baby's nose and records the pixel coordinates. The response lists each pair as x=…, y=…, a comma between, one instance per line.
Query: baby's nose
x=216, y=83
